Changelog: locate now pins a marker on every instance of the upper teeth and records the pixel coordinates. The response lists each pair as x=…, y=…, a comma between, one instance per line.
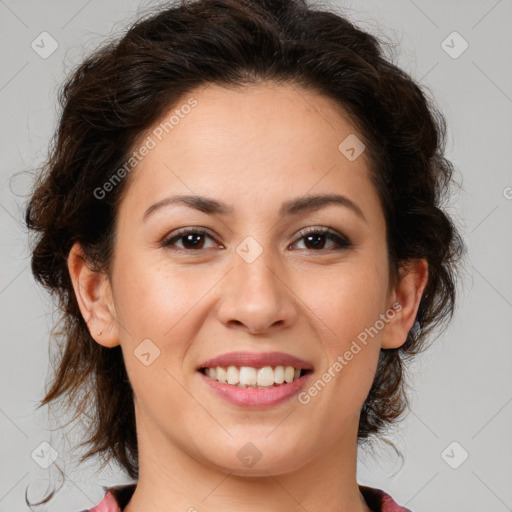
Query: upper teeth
x=248, y=376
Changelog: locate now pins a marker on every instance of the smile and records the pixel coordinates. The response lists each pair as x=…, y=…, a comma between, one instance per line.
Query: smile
x=252, y=395
x=254, y=378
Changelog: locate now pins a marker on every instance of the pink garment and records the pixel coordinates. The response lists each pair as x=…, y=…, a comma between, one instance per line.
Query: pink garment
x=116, y=498
x=107, y=504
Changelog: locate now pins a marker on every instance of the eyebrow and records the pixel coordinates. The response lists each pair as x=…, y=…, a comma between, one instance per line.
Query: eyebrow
x=291, y=207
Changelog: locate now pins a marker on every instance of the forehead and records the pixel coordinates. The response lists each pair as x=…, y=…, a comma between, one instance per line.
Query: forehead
x=262, y=119
x=259, y=142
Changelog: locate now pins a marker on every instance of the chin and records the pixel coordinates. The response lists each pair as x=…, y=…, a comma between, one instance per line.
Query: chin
x=258, y=457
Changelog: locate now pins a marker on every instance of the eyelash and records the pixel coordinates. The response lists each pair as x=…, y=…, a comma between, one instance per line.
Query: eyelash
x=341, y=241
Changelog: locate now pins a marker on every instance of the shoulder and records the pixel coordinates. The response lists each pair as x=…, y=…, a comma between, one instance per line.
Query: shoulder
x=380, y=501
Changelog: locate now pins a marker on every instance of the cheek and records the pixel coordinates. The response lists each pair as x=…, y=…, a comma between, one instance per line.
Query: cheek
x=347, y=301
x=348, y=305
x=153, y=306
x=151, y=300
x=159, y=312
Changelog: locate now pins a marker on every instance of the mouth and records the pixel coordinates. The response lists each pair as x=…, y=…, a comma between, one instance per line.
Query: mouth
x=250, y=377
x=255, y=370
x=255, y=380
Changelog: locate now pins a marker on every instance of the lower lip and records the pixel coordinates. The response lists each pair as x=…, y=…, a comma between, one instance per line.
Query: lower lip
x=252, y=397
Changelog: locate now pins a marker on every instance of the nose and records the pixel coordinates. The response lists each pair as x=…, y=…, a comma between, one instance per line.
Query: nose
x=256, y=296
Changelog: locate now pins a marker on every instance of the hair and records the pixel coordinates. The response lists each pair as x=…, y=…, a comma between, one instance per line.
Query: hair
x=123, y=88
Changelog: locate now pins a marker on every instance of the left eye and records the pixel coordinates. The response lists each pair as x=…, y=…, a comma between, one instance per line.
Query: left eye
x=312, y=235
x=194, y=238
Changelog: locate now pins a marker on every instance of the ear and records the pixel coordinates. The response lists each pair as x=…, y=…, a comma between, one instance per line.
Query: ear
x=407, y=294
x=94, y=296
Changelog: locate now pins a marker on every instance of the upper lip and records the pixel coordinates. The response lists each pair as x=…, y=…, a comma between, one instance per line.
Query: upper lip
x=256, y=360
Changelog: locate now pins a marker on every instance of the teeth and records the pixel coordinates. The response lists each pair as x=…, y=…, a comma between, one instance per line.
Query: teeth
x=220, y=372
x=233, y=375
x=247, y=376
x=279, y=375
x=265, y=376
x=289, y=372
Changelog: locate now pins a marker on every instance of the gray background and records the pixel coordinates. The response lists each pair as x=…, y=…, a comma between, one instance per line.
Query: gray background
x=462, y=387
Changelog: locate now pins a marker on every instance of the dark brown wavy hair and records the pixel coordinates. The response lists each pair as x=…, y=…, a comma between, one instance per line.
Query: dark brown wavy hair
x=124, y=87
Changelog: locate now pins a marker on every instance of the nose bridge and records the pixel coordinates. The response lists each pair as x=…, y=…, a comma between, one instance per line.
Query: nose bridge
x=256, y=267
x=255, y=294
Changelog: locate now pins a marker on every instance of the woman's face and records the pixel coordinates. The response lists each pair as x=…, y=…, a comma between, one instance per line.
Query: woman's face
x=248, y=279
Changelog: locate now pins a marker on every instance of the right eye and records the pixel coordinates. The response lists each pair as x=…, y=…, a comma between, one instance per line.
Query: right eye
x=193, y=237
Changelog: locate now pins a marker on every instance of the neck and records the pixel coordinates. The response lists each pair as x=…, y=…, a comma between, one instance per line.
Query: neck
x=172, y=480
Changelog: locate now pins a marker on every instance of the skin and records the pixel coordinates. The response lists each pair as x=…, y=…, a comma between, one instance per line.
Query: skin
x=252, y=148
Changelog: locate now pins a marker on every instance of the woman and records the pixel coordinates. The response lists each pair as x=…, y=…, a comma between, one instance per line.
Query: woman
x=242, y=219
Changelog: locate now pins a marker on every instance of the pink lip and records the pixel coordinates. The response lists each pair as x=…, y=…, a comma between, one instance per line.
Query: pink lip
x=256, y=360
x=256, y=398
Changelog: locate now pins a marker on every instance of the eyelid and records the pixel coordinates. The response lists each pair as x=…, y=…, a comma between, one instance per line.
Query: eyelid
x=319, y=229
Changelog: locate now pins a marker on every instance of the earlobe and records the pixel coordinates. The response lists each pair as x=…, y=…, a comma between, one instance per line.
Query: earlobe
x=94, y=297
x=408, y=293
